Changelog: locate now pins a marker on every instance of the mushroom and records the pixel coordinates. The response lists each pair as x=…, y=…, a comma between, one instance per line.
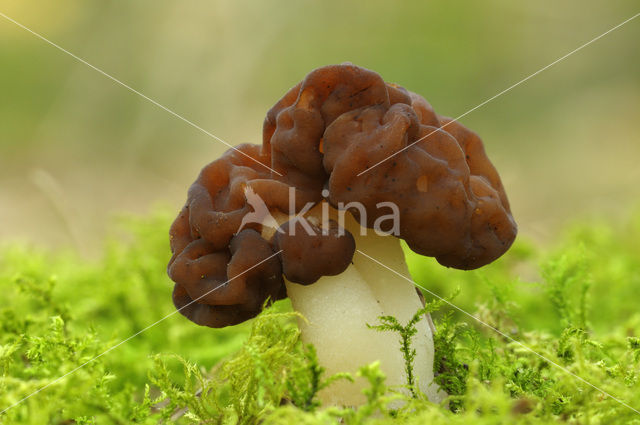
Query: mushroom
x=360, y=164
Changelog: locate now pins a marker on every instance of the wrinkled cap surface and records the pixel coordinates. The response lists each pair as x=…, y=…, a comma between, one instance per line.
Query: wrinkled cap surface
x=308, y=255
x=332, y=131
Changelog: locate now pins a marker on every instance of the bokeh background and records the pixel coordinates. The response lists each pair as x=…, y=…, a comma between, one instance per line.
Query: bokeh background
x=76, y=148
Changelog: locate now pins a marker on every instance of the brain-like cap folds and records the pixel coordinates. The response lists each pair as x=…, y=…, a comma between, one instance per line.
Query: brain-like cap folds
x=332, y=131
x=307, y=256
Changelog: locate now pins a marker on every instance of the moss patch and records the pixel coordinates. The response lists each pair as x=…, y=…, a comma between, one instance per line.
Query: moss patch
x=573, y=304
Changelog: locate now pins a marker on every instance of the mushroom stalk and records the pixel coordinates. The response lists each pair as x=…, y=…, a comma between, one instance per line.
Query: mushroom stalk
x=337, y=309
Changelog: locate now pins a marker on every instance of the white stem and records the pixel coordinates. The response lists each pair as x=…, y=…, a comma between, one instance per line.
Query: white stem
x=338, y=309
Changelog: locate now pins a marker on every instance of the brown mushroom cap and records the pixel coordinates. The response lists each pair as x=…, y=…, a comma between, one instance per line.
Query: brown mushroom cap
x=307, y=256
x=339, y=122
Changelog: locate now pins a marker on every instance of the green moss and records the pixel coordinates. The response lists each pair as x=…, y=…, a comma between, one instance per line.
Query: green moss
x=573, y=305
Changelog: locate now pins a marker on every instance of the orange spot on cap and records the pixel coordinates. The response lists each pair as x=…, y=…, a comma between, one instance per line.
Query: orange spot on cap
x=422, y=184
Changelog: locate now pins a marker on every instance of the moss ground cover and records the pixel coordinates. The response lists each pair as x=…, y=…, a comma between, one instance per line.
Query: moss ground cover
x=572, y=302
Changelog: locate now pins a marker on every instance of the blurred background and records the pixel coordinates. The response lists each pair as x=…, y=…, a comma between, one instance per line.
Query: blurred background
x=76, y=148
